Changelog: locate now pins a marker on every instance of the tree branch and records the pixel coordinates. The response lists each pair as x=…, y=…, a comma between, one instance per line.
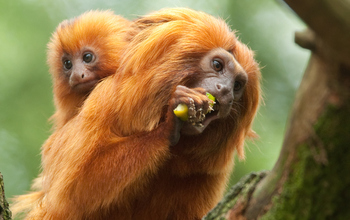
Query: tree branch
x=5, y=213
x=237, y=197
x=330, y=20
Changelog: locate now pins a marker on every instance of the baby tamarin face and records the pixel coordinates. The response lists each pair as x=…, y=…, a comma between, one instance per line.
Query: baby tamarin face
x=84, y=50
x=80, y=69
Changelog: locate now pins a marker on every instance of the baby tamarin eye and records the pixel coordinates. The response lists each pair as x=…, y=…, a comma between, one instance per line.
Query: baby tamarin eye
x=67, y=64
x=88, y=57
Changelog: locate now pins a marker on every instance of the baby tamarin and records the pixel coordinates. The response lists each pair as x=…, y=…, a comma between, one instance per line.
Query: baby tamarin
x=81, y=52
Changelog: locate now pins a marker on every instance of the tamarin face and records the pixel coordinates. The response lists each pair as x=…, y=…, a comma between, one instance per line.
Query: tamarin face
x=85, y=49
x=223, y=77
x=219, y=74
x=80, y=69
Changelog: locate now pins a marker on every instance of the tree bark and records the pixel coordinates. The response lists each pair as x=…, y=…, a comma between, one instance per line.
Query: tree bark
x=311, y=178
x=330, y=20
x=237, y=197
x=5, y=213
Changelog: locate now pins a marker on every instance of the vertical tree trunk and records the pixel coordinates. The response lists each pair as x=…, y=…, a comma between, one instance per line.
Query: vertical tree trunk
x=311, y=178
x=5, y=213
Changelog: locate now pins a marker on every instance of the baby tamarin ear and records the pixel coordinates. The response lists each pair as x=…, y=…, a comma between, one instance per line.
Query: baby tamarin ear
x=81, y=52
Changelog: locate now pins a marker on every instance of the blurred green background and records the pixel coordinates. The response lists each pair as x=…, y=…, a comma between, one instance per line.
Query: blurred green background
x=25, y=85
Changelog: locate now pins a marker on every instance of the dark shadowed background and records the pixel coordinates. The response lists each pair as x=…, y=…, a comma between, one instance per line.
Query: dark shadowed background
x=25, y=85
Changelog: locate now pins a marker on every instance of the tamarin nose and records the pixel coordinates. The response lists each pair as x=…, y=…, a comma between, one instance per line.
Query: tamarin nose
x=225, y=92
x=82, y=75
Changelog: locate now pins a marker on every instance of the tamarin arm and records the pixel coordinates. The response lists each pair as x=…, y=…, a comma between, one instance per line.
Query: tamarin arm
x=109, y=172
x=88, y=161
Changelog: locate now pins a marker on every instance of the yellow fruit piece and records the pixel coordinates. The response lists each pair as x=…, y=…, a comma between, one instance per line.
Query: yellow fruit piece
x=181, y=111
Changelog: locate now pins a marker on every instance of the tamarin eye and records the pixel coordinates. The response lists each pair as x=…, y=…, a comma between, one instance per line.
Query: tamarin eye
x=87, y=58
x=217, y=65
x=238, y=86
x=67, y=64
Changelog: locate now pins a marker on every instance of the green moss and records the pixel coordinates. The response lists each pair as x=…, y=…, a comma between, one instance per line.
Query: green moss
x=317, y=190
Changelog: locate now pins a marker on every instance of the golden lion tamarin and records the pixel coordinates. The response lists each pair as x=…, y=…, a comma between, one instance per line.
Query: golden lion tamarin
x=126, y=155
x=81, y=52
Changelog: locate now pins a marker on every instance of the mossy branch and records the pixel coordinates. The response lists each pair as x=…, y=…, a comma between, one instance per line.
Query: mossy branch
x=5, y=213
x=238, y=197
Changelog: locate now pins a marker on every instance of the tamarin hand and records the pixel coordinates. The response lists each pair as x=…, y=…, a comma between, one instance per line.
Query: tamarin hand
x=181, y=111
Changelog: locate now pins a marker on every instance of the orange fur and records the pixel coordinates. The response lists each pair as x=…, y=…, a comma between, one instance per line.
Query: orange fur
x=114, y=159
x=101, y=31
